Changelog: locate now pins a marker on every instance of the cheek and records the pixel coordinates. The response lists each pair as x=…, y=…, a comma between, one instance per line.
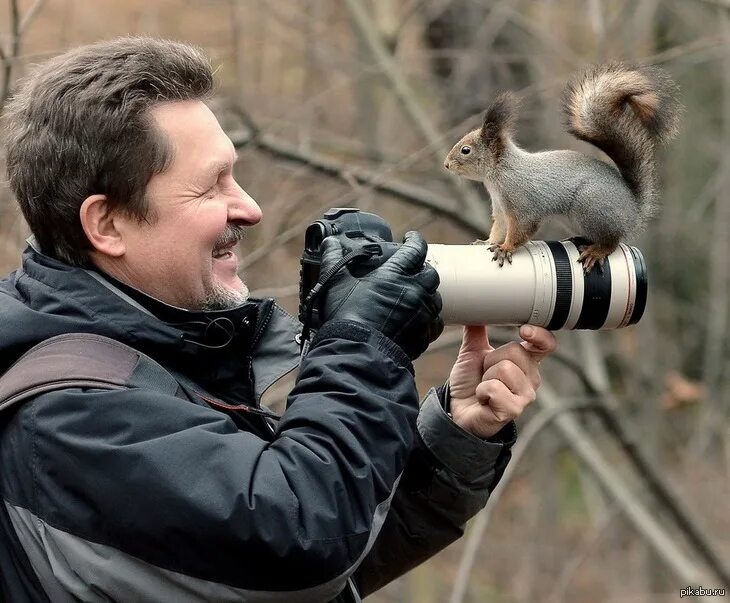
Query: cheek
x=206, y=226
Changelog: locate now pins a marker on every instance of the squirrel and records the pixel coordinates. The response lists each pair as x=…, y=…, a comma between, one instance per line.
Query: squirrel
x=624, y=111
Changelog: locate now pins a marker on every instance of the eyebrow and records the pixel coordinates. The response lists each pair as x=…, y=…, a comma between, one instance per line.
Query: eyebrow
x=217, y=167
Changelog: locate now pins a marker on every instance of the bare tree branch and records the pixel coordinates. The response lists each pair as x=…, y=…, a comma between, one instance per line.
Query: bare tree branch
x=480, y=523
x=718, y=302
x=30, y=15
x=411, y=193
x=589, y=541
x=652, y=477
x=8, y=57
x=719, y=3
x=641, y=518
x=407, y=98
x=11, y=53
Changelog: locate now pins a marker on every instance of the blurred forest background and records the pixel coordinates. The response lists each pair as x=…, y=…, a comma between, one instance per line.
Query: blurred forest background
x=620, y=483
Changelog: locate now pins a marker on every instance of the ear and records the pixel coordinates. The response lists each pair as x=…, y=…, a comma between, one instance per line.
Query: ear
x=500, y=117
x=98, y=222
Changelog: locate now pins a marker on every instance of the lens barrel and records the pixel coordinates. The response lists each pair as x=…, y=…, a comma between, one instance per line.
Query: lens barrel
x=545, y=285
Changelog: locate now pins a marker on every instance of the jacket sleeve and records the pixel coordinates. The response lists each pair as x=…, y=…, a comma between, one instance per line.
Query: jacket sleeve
x=448, y=478
x=137, y=477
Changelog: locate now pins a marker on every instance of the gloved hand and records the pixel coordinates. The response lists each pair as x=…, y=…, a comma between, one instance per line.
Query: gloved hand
x=399, y=298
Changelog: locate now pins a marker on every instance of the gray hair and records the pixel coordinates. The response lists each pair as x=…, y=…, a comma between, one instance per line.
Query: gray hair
x=80, y=125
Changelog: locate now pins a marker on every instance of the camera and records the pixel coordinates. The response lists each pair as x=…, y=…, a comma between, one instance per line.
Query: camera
x=544, y=286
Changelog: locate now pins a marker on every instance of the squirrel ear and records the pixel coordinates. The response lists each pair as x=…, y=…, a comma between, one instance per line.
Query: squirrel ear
x=500, y=116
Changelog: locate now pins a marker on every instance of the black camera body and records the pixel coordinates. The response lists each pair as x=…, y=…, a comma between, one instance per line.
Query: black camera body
x=357, y=231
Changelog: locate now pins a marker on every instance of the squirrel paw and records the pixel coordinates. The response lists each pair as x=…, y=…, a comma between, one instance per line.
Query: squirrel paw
x=591, y=255
x=501, y=253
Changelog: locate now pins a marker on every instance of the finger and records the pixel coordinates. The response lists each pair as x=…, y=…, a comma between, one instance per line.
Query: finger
x=411, y=255
x=475, y=339
x=538, y=342
x=518, y=355
x=429, y=278
x=331, y=253
x=435, y=329
x=436, y=304
x=496, y=399
x=512, y=376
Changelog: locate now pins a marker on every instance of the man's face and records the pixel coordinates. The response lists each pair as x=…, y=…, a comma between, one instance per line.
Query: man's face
x=185, y=254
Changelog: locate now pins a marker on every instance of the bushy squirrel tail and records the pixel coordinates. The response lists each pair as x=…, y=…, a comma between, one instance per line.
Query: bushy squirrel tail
x=626, y=112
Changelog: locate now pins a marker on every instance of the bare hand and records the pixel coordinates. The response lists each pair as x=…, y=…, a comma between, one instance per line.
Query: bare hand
x=491, y=387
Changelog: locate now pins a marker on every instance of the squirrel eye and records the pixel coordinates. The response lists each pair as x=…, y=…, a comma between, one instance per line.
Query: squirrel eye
x=465, y=150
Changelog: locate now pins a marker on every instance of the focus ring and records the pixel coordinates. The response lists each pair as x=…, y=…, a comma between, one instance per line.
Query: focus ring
x=563, y=285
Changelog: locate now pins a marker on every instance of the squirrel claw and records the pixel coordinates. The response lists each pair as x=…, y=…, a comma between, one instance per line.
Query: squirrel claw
x=590, y=256
x=500, y=254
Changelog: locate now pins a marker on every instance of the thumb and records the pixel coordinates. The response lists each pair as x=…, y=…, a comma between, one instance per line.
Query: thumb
x=475, y=339
x=331, y=253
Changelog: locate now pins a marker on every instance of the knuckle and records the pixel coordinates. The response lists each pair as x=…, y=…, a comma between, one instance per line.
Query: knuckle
x=513, y=348
x=487, y=389
x=506, y=369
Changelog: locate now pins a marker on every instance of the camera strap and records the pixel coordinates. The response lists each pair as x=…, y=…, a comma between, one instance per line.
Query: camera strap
x=366, y=251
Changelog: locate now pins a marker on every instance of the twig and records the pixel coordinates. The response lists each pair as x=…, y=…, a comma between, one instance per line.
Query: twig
x=719, y=3
x=18, y=26
x=30, y=15
x=411, y=193
x=405, y=96
x=714, y=362
x=642, y=519
x=589, y=541
x=10, y=55
x=476, y=533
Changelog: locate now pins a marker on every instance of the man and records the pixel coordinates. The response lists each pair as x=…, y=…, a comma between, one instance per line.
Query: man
x=180, y=487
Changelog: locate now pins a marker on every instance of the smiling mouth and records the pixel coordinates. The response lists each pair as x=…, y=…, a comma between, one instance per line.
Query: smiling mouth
x=225, y=244
x=224, y=252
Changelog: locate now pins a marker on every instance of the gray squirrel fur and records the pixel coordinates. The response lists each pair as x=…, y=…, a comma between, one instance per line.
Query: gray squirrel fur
x=624, y=111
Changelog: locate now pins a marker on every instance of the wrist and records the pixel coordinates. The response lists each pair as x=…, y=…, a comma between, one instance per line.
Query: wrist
x=503, y=432
x=354, y=330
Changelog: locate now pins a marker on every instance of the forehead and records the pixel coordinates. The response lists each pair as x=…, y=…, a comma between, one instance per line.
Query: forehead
x=193, y=131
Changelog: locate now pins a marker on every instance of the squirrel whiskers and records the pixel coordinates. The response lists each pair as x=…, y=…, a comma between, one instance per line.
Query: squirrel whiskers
x=624, y=111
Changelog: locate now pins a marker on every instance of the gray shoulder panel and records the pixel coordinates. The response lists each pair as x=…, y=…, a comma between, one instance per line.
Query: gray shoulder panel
x=71, y=568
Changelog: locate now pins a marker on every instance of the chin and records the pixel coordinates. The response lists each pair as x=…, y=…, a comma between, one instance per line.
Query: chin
x=222, y=297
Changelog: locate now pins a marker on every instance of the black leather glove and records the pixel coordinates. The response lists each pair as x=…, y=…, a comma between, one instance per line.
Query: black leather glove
x=399, y=298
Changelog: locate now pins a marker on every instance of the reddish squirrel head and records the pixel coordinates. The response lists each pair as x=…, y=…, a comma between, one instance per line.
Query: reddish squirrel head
x=481, y=150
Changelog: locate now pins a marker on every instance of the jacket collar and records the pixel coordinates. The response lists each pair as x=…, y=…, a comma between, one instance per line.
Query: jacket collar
x=240, y=351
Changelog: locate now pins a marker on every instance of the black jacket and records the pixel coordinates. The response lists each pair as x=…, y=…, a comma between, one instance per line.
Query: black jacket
x=140, y=495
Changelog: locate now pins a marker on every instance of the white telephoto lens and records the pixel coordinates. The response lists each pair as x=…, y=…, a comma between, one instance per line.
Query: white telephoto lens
x=545, y=285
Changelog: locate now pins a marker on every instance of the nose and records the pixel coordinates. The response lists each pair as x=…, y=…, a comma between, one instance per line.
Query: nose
x=446, y=164
x=244, y=209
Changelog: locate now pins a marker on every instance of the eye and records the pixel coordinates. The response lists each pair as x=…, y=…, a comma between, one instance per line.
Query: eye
x=465, y=150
